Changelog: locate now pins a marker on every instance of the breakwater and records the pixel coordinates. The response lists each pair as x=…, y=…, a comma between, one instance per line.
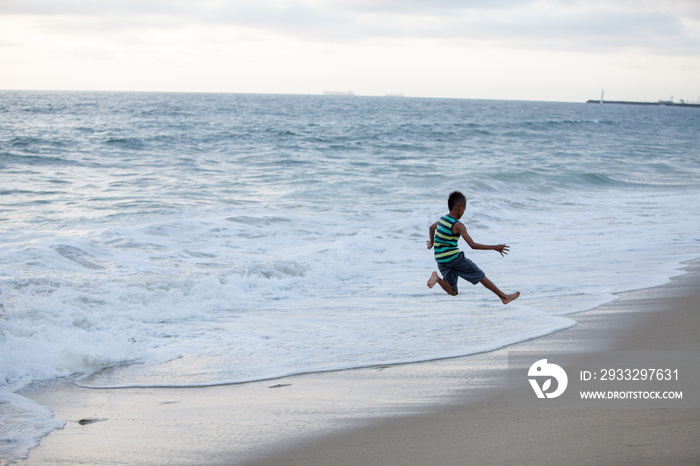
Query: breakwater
x=665, y=103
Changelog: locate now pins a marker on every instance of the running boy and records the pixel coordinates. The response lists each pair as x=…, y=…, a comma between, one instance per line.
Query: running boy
x=444, y=235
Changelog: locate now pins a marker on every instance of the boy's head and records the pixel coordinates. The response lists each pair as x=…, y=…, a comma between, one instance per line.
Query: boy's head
x=455, y=200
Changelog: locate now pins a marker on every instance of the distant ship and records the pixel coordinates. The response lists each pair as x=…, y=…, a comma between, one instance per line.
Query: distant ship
x=338, y=93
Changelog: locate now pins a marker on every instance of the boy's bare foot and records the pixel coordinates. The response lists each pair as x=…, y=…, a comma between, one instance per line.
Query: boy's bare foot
x=432, y=280
x=510, y=297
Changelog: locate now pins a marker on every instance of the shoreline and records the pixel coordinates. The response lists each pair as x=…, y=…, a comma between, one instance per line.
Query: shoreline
x=449, y=410
x=488, y=431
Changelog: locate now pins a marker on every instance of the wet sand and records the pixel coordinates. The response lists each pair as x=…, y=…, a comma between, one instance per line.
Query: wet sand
x=492, y=432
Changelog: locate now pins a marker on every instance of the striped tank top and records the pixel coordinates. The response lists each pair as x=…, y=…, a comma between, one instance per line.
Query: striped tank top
x=445, y=243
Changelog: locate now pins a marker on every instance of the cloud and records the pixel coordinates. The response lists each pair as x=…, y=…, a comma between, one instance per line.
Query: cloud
x=663, y=26
x=586, y=29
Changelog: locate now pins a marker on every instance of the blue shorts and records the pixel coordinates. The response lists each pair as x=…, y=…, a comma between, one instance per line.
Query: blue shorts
x=460, y=267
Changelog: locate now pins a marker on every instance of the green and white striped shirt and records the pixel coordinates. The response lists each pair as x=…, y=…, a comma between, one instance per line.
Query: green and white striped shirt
x=445, y=241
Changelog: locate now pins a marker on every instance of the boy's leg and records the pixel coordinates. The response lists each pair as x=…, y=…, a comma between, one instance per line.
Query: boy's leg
x=434, y=278
x=506, y=298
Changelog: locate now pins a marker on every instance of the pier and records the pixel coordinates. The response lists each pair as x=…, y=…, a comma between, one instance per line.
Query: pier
x=663, y=103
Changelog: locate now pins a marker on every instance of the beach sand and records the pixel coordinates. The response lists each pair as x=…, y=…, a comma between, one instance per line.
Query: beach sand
x=441, y=412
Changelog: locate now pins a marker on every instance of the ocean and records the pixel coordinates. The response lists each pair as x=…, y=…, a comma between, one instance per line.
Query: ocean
x=170, y=240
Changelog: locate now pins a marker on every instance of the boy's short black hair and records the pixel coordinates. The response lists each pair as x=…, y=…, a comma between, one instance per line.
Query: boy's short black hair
x=456, y=198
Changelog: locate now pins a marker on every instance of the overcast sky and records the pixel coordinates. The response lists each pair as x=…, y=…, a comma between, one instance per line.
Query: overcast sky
x=559, y=50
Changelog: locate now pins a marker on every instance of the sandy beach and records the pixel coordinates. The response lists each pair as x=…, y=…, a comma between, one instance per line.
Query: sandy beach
x=441, y=412
x=490, y=432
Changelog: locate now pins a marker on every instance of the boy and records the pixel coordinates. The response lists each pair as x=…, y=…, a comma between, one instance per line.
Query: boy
x=444, y=235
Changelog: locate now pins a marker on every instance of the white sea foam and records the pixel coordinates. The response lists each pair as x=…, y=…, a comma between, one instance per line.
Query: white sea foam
x=24, y=423
x=281, y=298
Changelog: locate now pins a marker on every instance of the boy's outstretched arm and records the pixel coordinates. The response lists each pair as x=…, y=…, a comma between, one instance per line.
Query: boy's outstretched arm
x=501, y=248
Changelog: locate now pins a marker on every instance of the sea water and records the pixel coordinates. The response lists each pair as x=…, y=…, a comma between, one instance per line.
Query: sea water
x=162, y=240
